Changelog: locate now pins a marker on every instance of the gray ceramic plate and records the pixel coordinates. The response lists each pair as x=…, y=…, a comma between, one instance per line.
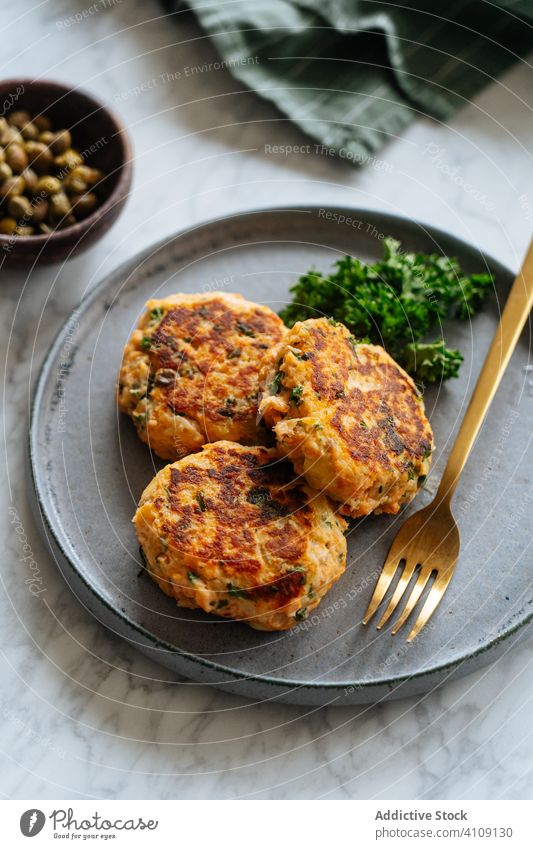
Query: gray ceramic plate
x=88, y=470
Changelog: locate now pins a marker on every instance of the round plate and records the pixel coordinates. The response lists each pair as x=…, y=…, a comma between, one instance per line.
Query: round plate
x=88, y=470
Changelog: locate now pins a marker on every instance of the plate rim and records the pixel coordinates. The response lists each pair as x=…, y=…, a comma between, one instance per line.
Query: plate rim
x=39, y=497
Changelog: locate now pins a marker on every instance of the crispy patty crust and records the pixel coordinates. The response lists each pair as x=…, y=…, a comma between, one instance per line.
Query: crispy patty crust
x=230, y=531
x=348, y=417
x=189, y=373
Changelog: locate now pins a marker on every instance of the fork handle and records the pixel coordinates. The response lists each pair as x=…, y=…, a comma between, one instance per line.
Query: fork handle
x=513, y=319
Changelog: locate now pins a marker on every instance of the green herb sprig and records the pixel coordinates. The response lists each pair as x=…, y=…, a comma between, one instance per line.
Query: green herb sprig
x=395, y=302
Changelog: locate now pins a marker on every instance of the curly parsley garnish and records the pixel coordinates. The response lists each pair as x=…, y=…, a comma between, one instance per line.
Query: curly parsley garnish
x=395, y=302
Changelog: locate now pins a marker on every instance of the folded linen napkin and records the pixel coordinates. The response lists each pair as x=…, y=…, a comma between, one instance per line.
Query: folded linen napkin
x=354, y=73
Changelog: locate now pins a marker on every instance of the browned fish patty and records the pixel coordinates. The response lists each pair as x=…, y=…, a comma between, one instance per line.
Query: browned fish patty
x=348, y=417
x=189, y=373
x=230, y=531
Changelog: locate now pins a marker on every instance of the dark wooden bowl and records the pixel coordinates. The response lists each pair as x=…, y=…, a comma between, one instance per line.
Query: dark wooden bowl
x=99, y=135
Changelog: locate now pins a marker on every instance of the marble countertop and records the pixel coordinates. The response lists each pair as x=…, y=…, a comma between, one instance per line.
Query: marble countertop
x=83, y=714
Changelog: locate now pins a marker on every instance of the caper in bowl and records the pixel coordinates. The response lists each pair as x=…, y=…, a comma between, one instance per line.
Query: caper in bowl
x=65, y=171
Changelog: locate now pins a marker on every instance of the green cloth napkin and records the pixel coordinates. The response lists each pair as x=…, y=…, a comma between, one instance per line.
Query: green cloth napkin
x=354, y=73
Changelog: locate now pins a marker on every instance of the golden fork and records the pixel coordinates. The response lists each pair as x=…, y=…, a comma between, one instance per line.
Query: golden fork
x=428, y=542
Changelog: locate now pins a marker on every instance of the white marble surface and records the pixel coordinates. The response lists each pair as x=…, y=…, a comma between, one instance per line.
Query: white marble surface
x=84, y=715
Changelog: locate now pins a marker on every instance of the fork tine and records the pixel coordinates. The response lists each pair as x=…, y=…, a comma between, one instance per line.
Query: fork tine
x=434, y=597
x=405, y=577
x=416, y=592
x=384, y=581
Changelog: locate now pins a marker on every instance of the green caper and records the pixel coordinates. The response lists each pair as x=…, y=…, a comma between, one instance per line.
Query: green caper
x=44, y=181
x=31, y=179
x=46, y=137
x=90, y=176
x=16, y=158
x=11, y=186
x=19, y=119
x=19, y=207
x=68, y=160
x=5, y=172
x=39, y=156
x=83, y=204
x=29, y=131
x=48, y=185
x=39, y=210
x=164, y=377
x=10, y=136
x=59, y=206
x=7, y=226
x=74, y=185
x=42, y=123
x=61, y=142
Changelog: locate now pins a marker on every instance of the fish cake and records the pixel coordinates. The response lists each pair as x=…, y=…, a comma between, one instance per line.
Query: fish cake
x=229, y=530
x=347, y=416
x=189, y=373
